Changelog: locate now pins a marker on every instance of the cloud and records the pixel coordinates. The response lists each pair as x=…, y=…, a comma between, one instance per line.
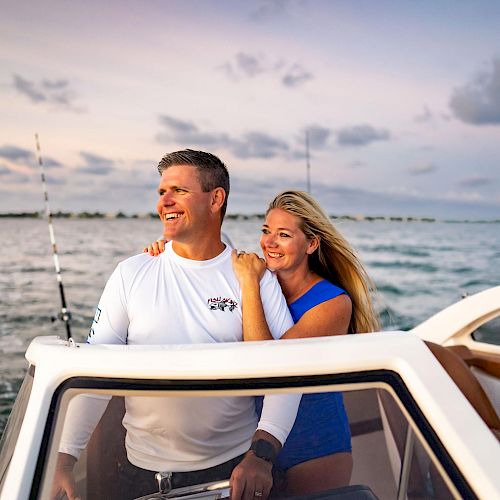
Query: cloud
x=271, y=9
x=28, y=89
x=426, y=116
x=51, y=163
x=21, y=156
x=189, y=133
x=478, y=101
x=16, y=154
x=95, y=164
x=249, y=195
x=476, y=182
x=253, y=144
x=357, y=164
x=258, y=145
x=55, y=84
x=318, y=136
x=55, y=92
x=361, y=135
x=55, y=181
x=246, y=66
x=9, y=176
x=422, y=169
x=296, y=76
x=249, y=64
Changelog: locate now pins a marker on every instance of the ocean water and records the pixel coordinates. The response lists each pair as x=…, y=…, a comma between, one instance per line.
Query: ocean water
x=419, y=268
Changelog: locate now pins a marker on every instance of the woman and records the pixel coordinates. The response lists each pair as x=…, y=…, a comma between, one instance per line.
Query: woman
x=328, y=293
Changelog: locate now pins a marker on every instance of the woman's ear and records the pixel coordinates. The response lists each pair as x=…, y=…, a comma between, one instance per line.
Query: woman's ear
x=218, y=198
x=313, y=245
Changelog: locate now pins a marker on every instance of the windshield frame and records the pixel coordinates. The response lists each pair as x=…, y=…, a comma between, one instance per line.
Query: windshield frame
x=14, y=423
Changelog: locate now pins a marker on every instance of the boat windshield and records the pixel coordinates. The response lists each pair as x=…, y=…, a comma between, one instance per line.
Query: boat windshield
x=489, y=332
x=393, y=456
x=9, y=436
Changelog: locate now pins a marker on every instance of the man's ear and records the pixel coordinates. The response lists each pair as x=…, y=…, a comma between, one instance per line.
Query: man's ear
x=313, y=245
x=218, y=198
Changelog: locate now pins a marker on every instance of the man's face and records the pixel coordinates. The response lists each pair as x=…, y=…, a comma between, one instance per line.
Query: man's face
x=183, y=207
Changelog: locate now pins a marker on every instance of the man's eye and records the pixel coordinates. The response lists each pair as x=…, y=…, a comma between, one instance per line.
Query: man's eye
x=265, y=231
x=180, y=190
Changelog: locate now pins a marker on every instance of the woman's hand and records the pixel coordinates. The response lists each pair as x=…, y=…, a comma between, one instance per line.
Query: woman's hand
x=248, y=267
x=156, y=248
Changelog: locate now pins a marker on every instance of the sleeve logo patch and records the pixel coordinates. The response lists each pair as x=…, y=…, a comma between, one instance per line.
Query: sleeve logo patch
x=221, y=304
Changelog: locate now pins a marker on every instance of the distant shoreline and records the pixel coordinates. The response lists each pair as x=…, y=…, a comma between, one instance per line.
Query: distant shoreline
x=255, y=216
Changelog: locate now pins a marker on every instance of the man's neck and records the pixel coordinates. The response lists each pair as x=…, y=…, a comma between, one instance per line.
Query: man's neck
x=201, y=250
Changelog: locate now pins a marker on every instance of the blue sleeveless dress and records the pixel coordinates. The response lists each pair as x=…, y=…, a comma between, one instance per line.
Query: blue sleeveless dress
x=321, y=427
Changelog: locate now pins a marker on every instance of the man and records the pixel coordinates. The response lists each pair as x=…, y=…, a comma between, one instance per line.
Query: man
x=187, y=295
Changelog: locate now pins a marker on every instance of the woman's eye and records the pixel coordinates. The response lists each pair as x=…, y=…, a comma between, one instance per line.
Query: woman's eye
x=264, y=230
x=284, y=235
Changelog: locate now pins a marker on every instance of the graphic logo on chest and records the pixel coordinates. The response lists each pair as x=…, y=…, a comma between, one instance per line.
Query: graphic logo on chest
x=222, y=304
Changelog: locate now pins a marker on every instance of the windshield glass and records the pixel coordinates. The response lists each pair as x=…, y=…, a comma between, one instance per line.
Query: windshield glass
x=362, y=436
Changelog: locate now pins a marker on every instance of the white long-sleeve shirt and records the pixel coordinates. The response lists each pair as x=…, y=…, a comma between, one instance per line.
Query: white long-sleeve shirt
x=173, y=300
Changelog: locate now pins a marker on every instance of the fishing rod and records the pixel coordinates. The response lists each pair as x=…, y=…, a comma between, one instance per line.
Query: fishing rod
x=64, y=315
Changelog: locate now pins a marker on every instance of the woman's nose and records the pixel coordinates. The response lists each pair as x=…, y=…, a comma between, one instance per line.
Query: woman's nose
x=270, y=240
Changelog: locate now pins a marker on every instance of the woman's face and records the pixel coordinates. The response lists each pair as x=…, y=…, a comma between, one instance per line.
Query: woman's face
x=284, y=245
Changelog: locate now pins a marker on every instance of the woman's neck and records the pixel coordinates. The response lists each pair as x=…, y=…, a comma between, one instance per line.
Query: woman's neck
x=296, y=283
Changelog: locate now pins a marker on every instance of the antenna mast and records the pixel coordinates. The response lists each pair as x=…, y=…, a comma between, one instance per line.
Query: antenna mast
x=64, y=315
x=308, y=165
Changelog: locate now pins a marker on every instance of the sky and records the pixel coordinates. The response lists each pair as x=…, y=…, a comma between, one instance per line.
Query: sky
x=400, y=100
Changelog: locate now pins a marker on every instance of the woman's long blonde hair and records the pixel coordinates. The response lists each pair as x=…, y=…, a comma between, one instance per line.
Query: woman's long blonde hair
x=335, y=259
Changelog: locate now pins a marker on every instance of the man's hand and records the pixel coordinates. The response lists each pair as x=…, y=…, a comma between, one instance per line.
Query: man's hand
x=252, y=479
x=64, y=481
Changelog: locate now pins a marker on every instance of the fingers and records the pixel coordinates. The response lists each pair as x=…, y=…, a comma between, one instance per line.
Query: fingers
x=251, y=480
x=156, y=248
x=237, y=484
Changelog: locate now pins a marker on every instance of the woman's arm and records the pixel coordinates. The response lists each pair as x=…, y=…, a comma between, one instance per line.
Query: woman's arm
x=249, y=269
x=331, y=317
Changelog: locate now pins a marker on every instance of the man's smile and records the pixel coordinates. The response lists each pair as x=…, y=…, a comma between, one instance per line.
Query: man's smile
x=172, y=216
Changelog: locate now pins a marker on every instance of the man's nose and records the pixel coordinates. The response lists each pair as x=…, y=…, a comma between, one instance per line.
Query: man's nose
x=166, y=198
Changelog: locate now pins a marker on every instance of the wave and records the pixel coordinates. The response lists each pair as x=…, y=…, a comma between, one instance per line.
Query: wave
x=400, y=250
x=482, y=283
x=414, y=266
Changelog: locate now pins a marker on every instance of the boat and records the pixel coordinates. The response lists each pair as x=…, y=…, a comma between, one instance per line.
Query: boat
x=414, y=433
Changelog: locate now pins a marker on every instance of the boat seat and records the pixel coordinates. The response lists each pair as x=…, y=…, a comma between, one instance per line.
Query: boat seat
x=485, y=362
x=460, y=364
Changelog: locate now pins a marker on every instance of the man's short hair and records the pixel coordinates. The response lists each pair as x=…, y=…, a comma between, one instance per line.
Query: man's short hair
x=212, y=173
